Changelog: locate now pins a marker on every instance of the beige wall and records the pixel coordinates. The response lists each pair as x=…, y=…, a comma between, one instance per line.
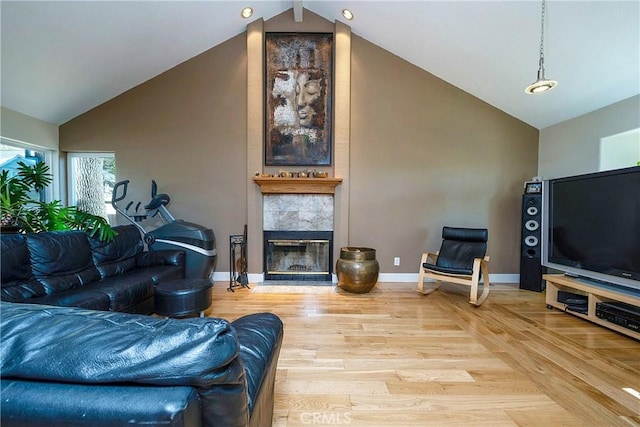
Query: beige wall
x=186, y=129
x=422, y=153
x=425, y=154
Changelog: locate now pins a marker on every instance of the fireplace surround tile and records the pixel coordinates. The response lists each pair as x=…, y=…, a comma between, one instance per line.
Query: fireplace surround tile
x=325, y=221
x=298, y=212
x=270, y=220
x=307, y=221
x=289, y=220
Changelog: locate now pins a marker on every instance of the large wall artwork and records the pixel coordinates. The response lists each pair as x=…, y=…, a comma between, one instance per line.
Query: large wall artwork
x=299, y=69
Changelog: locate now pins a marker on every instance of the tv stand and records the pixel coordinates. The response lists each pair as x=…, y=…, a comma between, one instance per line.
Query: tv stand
x=595, y=293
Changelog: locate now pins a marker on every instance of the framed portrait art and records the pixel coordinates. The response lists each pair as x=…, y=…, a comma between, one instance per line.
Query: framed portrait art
x=299, y=84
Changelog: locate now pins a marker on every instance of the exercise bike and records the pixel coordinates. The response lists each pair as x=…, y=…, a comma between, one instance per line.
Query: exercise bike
x=196, y=241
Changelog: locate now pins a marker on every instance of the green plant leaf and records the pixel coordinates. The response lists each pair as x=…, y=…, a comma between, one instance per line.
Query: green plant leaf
x=92, y=225
x=36, y=176
x=34, y=216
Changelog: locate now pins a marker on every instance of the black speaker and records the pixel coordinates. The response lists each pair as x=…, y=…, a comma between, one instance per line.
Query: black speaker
x=530, y=245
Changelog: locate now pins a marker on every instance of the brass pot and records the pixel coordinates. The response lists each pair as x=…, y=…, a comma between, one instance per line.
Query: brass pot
x=357, y=269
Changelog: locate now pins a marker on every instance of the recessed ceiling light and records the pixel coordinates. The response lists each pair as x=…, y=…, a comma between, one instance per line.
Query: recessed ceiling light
x=247, y=12
x=347, y=14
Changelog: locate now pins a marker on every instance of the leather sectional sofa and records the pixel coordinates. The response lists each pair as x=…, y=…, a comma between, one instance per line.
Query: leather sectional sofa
x=76, y=347
x=65, y=366
x=67, y=268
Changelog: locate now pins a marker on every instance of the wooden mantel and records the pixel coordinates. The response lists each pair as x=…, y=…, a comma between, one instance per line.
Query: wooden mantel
x=277, y=185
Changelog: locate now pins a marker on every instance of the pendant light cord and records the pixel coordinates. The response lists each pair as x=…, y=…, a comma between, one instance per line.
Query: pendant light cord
x=541, y=62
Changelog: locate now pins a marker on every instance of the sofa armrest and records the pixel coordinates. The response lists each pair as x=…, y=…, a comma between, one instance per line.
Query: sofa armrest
x=161, y=257
x=260, y=337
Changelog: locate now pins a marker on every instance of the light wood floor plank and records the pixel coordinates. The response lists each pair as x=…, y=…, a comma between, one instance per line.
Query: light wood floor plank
x=399, y=418
x=394, y=357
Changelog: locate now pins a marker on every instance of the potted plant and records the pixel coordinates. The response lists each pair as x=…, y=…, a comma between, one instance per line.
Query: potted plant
x=22, y=212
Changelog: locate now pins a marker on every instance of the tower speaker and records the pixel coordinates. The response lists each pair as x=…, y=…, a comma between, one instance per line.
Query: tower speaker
x=530, y=246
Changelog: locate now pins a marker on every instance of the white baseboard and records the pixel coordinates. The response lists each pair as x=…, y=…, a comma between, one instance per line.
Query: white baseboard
x=222, y=276
x=225, y=276
x=413, y=277
x=504, y=278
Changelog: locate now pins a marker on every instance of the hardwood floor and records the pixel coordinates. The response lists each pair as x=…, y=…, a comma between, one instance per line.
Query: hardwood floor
x=393, y=357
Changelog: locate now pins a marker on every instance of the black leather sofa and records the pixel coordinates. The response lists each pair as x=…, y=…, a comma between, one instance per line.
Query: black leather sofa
x=68, y=268
x=64, y=366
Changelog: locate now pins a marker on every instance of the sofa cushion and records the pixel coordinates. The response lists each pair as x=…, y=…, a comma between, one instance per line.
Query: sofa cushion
x=27, y=403
x=118, y=256
x=124, y=290
x=79, y=297
x=161, y=273
x=15, y=258
x=61, y=260
x=91, y=347
x=18, y=284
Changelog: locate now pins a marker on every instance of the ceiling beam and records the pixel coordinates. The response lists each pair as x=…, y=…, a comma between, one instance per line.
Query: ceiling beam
x=297, y=10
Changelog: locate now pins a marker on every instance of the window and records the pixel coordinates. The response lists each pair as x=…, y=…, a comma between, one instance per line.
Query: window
x=620, y=151
x=12, y=152
x=91, y=177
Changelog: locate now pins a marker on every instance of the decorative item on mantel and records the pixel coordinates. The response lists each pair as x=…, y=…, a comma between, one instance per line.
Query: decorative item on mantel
x=294, y=174
x=303, y=182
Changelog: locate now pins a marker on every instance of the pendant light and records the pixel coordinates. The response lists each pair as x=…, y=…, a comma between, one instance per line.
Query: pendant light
x=542, y=84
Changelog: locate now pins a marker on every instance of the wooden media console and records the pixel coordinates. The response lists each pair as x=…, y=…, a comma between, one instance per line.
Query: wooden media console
x=595, y=293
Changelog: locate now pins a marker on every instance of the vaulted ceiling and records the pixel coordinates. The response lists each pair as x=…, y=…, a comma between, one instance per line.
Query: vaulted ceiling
x=62, y=58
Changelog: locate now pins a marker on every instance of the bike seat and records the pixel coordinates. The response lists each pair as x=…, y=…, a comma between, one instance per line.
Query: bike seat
x=157, y=201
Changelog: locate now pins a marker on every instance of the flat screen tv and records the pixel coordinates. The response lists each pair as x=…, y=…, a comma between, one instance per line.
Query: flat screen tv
x=591, y=226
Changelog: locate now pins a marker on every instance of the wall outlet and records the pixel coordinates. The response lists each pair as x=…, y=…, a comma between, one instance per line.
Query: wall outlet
x=396, y=261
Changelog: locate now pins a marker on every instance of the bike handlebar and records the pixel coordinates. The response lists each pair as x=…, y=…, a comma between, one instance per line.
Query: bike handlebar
x=157, y=200
x=114, y=194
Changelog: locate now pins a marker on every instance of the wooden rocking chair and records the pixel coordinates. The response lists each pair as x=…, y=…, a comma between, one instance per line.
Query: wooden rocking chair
x=461, y=260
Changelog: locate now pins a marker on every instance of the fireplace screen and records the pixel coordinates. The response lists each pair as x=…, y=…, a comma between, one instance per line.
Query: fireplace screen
x=297, y=258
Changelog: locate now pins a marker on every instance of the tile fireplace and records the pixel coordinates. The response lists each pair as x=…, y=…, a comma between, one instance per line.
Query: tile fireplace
x=298, y=237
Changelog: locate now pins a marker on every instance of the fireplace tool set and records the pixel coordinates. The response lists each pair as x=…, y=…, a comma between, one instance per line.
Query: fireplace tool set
x=238, y=261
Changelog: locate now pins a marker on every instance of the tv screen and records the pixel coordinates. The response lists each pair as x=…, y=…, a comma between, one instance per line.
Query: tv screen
x=592, y=226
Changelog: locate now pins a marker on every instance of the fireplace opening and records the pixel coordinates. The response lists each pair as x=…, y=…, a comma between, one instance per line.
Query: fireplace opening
x=298, y=255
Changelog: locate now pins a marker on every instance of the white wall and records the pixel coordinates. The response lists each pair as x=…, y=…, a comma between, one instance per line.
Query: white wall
x=573, y=147
x=620, y=151
x=23, y=128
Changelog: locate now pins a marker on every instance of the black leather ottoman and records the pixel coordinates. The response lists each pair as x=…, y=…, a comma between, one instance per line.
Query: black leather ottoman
x=182, y=297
